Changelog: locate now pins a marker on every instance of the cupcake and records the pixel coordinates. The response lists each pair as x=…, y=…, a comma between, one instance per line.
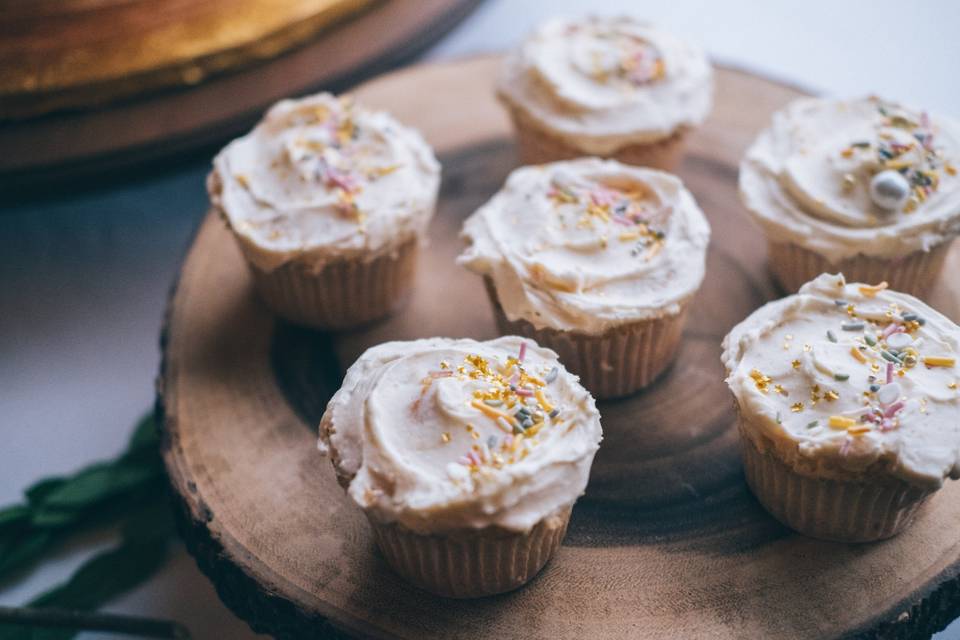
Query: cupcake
x=848, y=407
x=329, y=202
x=596, y=260
x=465, y=456
x=611, y=87
x=865, y=187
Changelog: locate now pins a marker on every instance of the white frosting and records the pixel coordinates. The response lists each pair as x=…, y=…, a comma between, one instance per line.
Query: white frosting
x=794, y=369
x=806, y=178
x=604, y=83
x=406, y=430
x=589, y=244
x=323, y=178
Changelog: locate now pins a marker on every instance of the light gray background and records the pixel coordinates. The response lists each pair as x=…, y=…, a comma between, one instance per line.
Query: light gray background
x=83, y=280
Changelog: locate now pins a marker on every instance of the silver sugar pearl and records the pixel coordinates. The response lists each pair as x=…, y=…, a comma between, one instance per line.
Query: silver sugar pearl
x=889, y=393
x=889, y=190
x=899, y=341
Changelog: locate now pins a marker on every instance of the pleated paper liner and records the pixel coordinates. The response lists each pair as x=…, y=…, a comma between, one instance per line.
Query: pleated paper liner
x=915, y=273
x=471, y=563
x=536, y=146
x=344, y=293
x=613, y=364
x=859, y=510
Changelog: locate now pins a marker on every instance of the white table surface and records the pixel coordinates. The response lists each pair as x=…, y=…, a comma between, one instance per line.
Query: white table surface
x=83, y=280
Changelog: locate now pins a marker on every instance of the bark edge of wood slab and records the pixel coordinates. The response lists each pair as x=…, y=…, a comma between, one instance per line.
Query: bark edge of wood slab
x=666, y=542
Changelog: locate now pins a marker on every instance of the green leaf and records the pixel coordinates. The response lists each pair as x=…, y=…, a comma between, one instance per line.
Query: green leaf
x=59, y=507
x=38, y=491
x=145, y=436
x=97, y=483
x=14, y=515
x=30, y=547
x=147, y=533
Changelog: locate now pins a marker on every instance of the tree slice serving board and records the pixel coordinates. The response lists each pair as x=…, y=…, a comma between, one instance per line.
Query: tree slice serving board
x=666, y=543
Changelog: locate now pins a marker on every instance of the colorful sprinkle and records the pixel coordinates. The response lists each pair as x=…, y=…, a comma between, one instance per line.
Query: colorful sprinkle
x=872, y=290
x=841, y=422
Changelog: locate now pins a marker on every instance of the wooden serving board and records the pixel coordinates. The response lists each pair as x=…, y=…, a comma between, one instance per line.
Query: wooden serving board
x=666, y=543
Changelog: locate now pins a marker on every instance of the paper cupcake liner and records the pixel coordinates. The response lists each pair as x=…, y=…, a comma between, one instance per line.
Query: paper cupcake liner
x=471, y=564
x=536, y=146
x=915, y=273
x=841, y=510
x=614, y=363
x=344, y=293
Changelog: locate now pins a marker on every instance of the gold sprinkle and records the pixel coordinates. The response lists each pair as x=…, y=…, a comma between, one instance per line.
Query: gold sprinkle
x=807, y=348
x=445, y=437
x=846, y=153
x=243, y=180
x=779, y=389
x=841, y=422
x=872, y=290
x=797, y=407
x=950, y=169
x=952, y=385
x=849, y=182
x=796, y=364
x=831, y=395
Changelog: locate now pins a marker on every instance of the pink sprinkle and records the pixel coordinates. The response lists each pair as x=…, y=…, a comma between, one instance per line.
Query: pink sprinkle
x=601, y=197
x=526, y=393
x=887, y=425
x=845, y=449
x=892, y=409
x=440, y=374
x=508, y=441
x=335, y=178
x=514, y=379
x=464, y=460
x=891, y=329
x=889, y=372
x=474, y=458
x=623, y=221
x=523, y=351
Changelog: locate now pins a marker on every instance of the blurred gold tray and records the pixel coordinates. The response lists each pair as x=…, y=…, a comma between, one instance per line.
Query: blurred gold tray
x=88, y=144
x=63, y=54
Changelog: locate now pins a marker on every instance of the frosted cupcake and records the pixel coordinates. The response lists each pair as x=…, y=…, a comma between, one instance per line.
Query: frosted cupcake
x=864, y=187
x=848, y=403
x=596, y=260
x=611, y=87
x=466, y=457
x=329, y=202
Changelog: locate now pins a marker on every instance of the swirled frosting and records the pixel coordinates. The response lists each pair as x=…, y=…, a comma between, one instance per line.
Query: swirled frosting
x=806, y=179
x=442, y=434
x=324, y=178
x=604, y=83
x=589, y=244
x=851, y=379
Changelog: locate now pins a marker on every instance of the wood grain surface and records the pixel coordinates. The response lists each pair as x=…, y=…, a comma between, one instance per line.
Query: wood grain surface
x=666, y=543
